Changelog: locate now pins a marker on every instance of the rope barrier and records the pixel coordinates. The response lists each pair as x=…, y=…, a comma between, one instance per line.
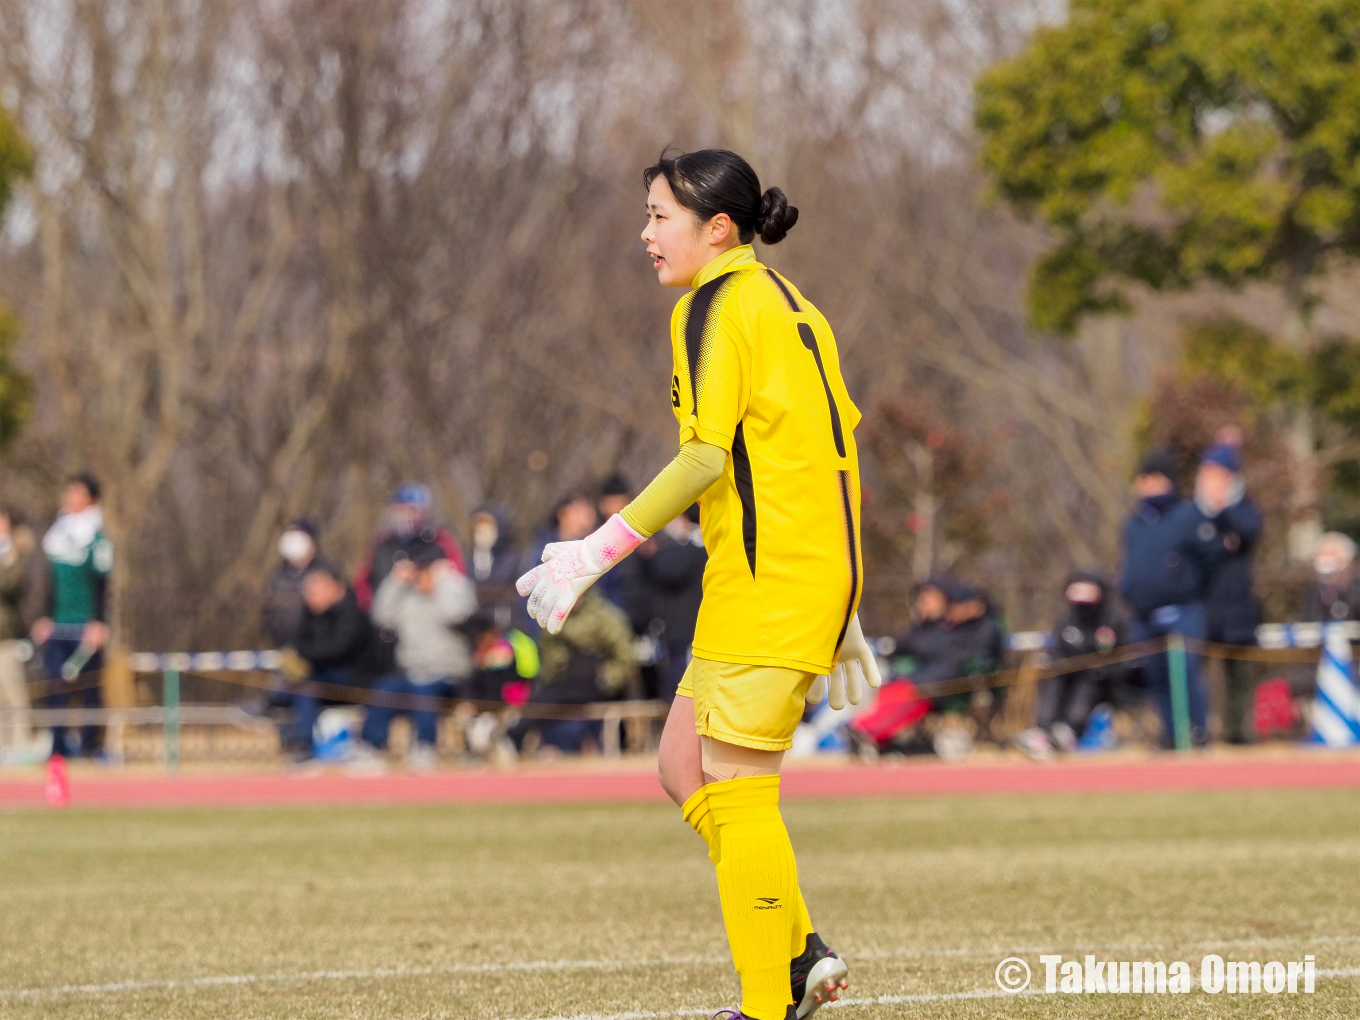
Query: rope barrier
x=255, y=680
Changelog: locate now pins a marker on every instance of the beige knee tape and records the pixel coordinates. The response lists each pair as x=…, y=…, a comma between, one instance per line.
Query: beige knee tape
x=722, y=761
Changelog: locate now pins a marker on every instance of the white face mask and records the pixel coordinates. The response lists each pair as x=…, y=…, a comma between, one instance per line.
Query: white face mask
x=484, y=534
x=1328, y=564
x=296, y=547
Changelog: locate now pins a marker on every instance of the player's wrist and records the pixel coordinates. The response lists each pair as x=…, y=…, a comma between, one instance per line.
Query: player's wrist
x=612, y=541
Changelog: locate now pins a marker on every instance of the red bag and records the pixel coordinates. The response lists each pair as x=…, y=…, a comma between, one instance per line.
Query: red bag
x=1274, y=708
x=898, y=707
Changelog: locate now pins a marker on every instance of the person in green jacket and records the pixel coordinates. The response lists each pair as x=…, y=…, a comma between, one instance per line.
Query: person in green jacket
x=74, y=630
x=591, y=659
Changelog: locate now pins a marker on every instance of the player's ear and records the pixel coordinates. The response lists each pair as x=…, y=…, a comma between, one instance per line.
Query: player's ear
x=720, y=228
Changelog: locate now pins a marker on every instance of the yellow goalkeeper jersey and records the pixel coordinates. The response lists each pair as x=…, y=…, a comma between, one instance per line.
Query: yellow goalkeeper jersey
x=756, y=372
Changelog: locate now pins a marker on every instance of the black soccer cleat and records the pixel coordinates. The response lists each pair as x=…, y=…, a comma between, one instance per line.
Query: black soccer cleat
x=818, y=976
x=736, y=1014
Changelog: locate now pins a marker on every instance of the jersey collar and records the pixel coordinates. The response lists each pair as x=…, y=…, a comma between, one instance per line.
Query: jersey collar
x=734, y=258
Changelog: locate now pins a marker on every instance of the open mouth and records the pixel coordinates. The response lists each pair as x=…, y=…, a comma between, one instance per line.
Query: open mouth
x=657, y=260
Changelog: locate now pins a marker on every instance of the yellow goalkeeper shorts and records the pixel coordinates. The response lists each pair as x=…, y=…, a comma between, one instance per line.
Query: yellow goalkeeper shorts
x=753, y=706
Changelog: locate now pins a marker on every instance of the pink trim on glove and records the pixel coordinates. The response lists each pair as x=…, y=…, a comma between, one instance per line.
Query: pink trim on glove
x=614, y=540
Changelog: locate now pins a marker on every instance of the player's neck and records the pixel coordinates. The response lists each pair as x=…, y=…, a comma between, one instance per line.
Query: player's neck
x=729, y=259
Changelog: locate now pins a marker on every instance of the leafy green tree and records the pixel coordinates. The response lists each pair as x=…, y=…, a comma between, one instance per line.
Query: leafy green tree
x=16, y=388
x=1169, y=143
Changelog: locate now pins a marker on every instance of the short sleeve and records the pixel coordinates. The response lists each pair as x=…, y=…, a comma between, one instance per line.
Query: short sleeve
x=711, y=381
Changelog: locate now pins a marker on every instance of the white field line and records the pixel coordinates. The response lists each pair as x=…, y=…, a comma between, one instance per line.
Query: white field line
x=873, y=1000
x=356, y=975
x=514, y=966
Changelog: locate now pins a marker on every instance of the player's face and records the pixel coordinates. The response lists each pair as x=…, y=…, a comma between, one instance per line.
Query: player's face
x=673, y=237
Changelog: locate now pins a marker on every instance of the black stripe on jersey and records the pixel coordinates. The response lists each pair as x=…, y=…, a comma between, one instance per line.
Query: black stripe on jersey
x=810, y=342
x=746, y=492
x=854, y=556
x=788, y=296
x=695, y=326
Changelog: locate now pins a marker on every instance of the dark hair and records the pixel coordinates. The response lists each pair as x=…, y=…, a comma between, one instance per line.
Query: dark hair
x=325, y=569
x=614, y=485
x=713, y=181
x=567, y=500
x=90, y=483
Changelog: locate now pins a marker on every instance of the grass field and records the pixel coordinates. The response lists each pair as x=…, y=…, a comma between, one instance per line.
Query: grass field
x=529, y=912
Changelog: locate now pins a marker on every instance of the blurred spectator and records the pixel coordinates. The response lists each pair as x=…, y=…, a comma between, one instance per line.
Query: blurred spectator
x=615, y=494
x=283, y=603
x=1233, y=523
x=501, y=653
x=337, y=642
x=494, y=563
x=73, y=630
x=16, y=552
x=976, y=641
x=925, y=654
x=406, y=530
x=589, y=660
x=1336, y=595
x=1168, y=564
x=671, y=564
x=1090, y=623
x=573, y=518
x=422, y=600
x=923, y=650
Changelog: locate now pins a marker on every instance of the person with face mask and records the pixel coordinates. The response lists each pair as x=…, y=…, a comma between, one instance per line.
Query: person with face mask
x=1090, y=623
x=1232, y=523
x=1168, y=563
x=283, y=603
x=1335, y=597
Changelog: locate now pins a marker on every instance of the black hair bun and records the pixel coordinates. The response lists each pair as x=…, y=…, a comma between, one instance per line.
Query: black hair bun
x=776, y=217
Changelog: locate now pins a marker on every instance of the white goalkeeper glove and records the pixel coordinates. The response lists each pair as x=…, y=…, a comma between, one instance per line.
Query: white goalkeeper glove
x=569, y=568
x=855, y=666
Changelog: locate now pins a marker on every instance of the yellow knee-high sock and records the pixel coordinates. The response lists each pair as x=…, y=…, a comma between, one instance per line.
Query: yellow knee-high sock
x=700, y=817
x=758, y=885
x=802, y=924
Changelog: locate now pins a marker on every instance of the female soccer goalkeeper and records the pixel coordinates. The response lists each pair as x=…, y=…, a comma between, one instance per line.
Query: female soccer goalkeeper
x=767, y=447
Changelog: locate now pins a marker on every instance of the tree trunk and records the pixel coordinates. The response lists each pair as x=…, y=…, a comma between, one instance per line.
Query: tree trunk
x=1305, y=516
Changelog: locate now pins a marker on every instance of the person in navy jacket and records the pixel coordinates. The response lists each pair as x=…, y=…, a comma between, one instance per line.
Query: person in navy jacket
x=1169, y=561
x=1231, y=609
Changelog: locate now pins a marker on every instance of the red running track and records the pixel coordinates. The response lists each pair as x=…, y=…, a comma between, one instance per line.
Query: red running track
x=575, y=785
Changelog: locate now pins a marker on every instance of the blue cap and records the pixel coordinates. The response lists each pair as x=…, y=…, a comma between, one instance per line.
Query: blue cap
x=1224, y=456
x=412, y=494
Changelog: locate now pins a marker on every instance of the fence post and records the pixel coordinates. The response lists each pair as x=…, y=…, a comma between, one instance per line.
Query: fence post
x=170, y=697
x=1180, y=695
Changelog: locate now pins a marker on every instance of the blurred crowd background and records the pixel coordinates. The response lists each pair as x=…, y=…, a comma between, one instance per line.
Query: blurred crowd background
x=263, y=261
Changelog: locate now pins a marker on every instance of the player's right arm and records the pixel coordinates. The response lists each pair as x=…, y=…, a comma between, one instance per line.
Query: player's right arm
x=709, y=392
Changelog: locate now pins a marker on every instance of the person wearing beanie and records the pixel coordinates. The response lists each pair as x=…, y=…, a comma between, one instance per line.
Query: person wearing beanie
x=1090, y=623
x=1232, y=523
x=1168, y=564
x=407, y=532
